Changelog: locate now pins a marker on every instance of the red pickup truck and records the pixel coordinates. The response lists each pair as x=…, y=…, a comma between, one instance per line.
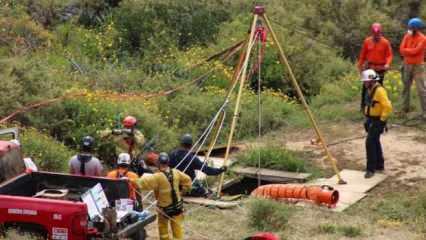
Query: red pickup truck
x=66, y=218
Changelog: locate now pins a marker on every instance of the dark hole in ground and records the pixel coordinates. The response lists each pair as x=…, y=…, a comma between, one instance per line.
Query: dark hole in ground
x=244, y=186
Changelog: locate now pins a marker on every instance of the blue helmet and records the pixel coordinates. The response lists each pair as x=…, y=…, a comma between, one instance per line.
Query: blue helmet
x=415, y=23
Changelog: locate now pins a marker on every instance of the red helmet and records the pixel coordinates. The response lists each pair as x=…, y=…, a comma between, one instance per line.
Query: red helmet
x=376, y=28
x=129, y=121
x=264, y=236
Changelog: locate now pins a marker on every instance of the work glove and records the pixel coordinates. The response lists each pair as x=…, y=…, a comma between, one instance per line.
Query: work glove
x=117, y=131
x=367, y=125
x=383, y=126
x=223, y=168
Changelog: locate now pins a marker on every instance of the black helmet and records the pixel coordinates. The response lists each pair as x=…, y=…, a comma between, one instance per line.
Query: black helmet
x=186, y=139
x=163, y=158
x=87, y=142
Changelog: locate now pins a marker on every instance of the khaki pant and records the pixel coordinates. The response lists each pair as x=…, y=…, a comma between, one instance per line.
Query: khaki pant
x=414, y=72
x=176, y=223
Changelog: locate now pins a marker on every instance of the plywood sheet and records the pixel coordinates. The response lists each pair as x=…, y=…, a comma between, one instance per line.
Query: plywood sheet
x=271, y=175
x=210, y=202
x=356, y=188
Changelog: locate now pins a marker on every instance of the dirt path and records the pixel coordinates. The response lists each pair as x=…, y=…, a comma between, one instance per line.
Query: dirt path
x=404, y=150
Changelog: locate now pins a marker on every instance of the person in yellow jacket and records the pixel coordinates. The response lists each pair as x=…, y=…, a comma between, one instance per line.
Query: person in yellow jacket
x=167, y=184
x=377, y=110
x=129, y=139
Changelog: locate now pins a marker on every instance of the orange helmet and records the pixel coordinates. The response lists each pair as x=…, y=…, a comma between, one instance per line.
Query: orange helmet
x=129, y=121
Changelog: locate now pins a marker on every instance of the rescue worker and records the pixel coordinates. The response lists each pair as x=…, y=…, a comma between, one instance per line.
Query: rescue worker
x=123, y=172
x=129, y=139
x=85, y=163
x=376, y=54
x=191, y=163
x=167, y=184
x=377, y=110
x=412, y=49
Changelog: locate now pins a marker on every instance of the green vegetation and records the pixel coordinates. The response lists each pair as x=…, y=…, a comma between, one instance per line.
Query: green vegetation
x=345, y=230
x=267, y=215
x=406, y=209
x=276, y=157
x=47, y=153
x=273, y=157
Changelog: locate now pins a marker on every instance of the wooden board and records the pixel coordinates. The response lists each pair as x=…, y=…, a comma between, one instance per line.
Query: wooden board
x=355, y=179
x=271, y=175
x=211, y=203
x=356, y=188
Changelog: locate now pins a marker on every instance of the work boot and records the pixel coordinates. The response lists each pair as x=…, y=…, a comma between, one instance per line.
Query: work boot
x=368, y=174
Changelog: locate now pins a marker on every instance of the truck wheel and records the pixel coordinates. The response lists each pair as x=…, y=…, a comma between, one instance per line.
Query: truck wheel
x=141, y=235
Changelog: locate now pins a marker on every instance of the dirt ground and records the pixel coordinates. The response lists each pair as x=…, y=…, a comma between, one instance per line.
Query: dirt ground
x=405, y=164
x=404, y=150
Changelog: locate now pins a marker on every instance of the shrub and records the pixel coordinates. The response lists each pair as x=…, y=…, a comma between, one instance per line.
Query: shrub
x=192, y=112
x=76, y=118
x=267, y=215
x=347, y=231
x=273, y=157
x=46, y=152
x=350, y=231
x=182, y=24
x=327, y=228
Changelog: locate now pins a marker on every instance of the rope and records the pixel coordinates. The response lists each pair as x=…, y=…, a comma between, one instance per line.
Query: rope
x=214, y=119
x=219, y=130
x=259, y=106
x=203, y=136
x=229, y=52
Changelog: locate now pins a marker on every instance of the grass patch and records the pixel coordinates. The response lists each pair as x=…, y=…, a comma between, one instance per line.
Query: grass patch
x=350, y=231
x=327, y=228
x=273, y=157
x=410, y=210
x=267, y=215
x=278, y=158
x=347, y=231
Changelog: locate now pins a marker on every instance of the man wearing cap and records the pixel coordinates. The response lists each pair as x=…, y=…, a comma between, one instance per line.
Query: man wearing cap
x=412, y=49
x=376, y=54
x=183, y=159
x=85, y=163
x=377, y=110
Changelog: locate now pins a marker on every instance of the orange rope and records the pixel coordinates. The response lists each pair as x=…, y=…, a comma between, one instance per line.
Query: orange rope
x=119, y=96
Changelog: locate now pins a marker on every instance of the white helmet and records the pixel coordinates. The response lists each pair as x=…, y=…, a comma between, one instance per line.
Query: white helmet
x=123, y=159
x=369, y=75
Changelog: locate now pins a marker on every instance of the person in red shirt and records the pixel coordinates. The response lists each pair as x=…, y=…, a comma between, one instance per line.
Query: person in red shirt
x=412, y=49
x=376, y=54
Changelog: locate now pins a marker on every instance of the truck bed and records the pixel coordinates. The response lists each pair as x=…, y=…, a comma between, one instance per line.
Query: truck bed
x=28, y=184
x=18, y=204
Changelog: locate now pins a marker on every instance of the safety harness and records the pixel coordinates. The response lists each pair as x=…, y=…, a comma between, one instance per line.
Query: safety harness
x=83, y=159
x=176, y=207
x=370, y=102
